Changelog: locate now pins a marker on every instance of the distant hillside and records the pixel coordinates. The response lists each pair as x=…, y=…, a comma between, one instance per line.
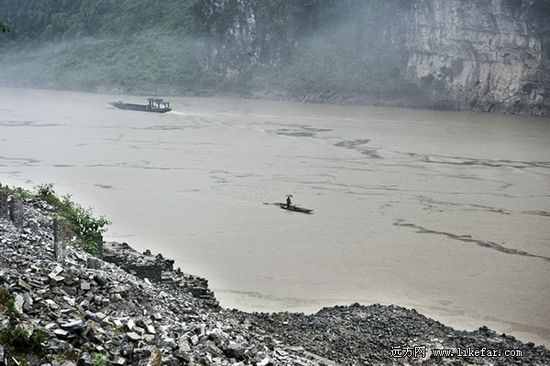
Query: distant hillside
x=452, y=54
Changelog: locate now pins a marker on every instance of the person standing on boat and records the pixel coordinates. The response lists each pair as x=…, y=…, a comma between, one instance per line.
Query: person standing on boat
x=288, y=201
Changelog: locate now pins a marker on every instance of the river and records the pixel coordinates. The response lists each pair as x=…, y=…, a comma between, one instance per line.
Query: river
x=445, y=212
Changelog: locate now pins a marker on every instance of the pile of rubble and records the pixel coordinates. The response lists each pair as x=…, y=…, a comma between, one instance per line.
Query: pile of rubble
x=158, y=269
x=60, y=306
x=91, y=312
x=381, y=335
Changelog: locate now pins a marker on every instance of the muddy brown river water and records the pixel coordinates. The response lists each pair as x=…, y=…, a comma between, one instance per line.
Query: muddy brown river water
x=446, y=212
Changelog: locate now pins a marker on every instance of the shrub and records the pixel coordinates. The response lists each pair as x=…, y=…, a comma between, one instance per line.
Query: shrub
x=87, y=228
x=18, y=191
x=100, y=360
x=10, y=310
x=21, y=343
x=7, y=304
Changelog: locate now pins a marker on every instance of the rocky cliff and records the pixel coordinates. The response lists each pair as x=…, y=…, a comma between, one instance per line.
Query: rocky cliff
x=491, y=55
x=482, y=55
x=471, y=55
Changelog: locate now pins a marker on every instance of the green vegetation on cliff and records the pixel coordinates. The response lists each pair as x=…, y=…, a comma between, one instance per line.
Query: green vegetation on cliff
x=296, y=47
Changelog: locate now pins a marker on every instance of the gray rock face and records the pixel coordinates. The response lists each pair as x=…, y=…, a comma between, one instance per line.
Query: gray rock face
x=481, y=55
x=489, y=56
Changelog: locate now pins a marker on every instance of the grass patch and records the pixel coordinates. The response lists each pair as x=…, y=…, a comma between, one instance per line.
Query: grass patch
x=14, y=338
x=7, y=304
x=10, y=310
x=18, y=191
x=100, y=360
x=20, y=342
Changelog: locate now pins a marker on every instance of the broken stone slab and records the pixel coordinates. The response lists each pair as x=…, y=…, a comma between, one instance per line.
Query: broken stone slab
x=266, y=361
x=21, y=283
x=99, y=316
x=133, y=336
x=57, y=270
x=69, y=300
x=100, y=349
x=18, y=303
x=194, y=339
x=54, y=275
x=139, y=330
x=148, y=338
x=85, y=360
x=131, y=324
x=61, y=333
x=56, y=279
x=51, y=304
x=85, y=286
x=74, y=326
x=183, y=344
x=169, y=342
x=143, y=322
x=212, y=349
x=183, y=355
x=121, y=361
x=27, y=306
x=117, y=323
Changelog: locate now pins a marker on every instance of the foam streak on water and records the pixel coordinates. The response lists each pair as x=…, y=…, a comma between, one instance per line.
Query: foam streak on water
x=442, y=211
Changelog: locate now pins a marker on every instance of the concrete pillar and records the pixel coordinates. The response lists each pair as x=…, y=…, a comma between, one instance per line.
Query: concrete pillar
x=16, y=211
x=59, y=238
x=4, y=208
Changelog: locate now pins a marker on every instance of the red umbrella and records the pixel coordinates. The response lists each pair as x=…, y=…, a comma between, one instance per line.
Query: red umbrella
x=290, y=195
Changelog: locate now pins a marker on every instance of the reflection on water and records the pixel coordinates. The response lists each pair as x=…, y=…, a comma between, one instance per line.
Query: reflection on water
x=442, y=211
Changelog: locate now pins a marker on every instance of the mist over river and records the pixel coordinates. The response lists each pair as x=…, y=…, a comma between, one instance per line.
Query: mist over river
x=445, y=212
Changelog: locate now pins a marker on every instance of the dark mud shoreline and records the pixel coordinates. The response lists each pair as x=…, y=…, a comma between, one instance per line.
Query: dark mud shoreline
x=133, y=308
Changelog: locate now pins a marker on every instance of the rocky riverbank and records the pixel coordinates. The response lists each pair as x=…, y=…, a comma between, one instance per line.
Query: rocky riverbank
x=62, y=306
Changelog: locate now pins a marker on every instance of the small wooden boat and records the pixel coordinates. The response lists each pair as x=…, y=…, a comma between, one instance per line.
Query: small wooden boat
x=155, y=105
x=295, y=208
